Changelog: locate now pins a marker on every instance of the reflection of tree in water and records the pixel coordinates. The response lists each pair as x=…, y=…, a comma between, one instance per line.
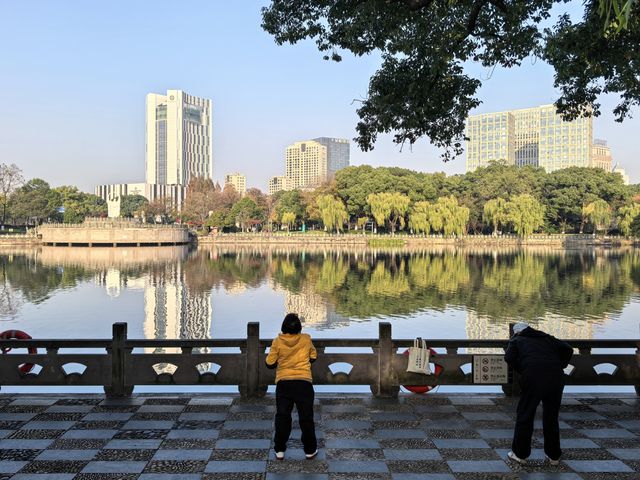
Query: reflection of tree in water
x=351, y=285
x=25, y=279
x=521, y=284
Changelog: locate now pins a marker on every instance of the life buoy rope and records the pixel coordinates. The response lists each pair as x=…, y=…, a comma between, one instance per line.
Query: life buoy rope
x=19, y=335
x=436, y=372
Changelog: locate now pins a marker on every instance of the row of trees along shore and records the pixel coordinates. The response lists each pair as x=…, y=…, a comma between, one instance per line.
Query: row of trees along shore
x=493, y=199
x=490, y=200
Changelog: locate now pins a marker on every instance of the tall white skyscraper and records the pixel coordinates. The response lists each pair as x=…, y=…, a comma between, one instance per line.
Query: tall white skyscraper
x=179, y=138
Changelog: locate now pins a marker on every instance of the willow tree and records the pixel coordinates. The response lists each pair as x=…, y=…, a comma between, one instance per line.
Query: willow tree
x=525, y=213
x=388, y=206
x=419, y=217
x=495, y=213
x=399, y=206
x=361, y=222
x=380, y=208
x=448, y=216
x=288, y=219
x=332, y=212
x=626, y=215
x=598, y=213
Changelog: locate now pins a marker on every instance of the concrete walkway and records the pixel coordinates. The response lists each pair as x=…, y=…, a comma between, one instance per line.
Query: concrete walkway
x=223, y=437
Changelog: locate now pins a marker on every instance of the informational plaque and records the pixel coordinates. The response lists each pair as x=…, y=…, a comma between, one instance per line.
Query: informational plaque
x=490, y=369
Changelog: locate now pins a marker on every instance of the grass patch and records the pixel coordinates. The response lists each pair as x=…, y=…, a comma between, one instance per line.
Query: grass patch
x=385, y=242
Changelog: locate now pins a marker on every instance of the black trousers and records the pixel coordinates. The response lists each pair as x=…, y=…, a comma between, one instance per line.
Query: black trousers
x=539, y=387
x=300, y=393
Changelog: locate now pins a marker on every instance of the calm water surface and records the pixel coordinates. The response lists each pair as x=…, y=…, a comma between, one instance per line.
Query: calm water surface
x=174, y=292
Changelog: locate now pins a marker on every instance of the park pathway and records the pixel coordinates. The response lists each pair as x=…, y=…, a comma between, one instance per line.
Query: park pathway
x=202, y=437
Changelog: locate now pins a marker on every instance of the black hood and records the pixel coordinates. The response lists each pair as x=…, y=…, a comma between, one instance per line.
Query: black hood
x=532, y=332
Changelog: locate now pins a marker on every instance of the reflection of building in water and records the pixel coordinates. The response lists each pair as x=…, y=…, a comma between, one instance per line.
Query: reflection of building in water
x=237, y=288
x=314, y=310
x=112, y=282
x=173, y=311
x=482, y=327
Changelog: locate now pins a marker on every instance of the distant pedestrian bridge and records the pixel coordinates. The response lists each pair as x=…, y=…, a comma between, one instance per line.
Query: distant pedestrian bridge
x=111, y=232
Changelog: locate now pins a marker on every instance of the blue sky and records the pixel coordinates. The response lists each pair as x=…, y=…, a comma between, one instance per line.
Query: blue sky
x=74, y=75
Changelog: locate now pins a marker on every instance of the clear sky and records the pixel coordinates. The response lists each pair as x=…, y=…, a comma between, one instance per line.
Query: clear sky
x=74, y=75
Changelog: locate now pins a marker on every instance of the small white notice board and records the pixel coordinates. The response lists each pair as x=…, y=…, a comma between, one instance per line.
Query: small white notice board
x=489, y=369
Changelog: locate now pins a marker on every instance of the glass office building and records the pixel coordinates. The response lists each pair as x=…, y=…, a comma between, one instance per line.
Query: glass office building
x=532, y=136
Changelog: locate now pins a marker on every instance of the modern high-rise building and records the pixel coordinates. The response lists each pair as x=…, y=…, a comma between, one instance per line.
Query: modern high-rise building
x=337, y=153
x=532, y=136
x=312, y=162
x=279, y=183
x=179, y=138
x=306, y=164
x=238, y=181
x=601, y=155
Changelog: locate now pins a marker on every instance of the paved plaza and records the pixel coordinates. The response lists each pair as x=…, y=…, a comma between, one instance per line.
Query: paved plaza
x=435, y=436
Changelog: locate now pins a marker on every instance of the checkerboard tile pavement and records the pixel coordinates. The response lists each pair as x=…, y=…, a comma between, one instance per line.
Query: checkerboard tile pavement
x=206, y=437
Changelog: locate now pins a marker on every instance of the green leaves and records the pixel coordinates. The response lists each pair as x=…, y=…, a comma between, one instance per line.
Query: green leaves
x=525, y=213
x=626, y=215
x=332, y=211
x=616, y=14
x=599, y=214
x=390, y=206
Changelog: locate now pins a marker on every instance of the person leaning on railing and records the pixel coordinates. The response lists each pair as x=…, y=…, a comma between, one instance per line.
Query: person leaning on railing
x=291, y=354
x=540, y=359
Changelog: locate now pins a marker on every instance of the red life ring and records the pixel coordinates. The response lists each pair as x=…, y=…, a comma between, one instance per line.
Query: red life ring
x=424, y=388
x=19, y=335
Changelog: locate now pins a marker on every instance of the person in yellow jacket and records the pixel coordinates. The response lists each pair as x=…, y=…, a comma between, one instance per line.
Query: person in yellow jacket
x=291, y=354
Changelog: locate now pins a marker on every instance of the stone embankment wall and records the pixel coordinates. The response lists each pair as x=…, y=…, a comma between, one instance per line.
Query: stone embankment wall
x=559, y=241
x=112, y=233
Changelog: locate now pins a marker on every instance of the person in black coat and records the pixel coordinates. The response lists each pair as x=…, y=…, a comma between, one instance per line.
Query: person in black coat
x=540, y=359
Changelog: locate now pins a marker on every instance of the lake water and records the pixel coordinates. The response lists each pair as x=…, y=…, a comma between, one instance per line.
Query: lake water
x=174, y=292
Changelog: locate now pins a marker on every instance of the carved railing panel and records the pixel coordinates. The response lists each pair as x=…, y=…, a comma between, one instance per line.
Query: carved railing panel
x=119, y=364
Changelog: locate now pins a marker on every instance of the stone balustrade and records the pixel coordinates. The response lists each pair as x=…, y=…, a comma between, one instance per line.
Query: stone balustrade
x=119, y=364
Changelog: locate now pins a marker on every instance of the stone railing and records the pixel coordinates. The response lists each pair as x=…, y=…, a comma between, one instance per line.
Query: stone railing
x=119, y=364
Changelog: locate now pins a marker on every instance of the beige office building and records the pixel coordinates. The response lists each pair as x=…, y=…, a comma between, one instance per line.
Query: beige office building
x=306, y=164
x=279, y=183
x=532, y=136
x=601, y=155
x=178, y=138
x=312, y=162
x=237, y=181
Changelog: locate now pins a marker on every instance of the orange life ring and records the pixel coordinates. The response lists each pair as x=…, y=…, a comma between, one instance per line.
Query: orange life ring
x=424, y=388
x=19, y=335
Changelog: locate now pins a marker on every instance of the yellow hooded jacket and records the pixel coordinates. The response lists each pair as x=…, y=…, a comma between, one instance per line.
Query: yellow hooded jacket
x=293, y=354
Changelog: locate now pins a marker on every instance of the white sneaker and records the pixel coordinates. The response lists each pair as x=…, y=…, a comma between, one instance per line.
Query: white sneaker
x=279, y=455
x=311, y=456
x=515, y=458
x=551, y=461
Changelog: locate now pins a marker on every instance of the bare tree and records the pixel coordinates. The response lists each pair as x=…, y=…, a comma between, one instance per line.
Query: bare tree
x=10, y=179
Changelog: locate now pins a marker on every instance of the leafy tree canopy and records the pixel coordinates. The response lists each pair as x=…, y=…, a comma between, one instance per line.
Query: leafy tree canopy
x=422, y=89
x=34, y=201
x=131, y=205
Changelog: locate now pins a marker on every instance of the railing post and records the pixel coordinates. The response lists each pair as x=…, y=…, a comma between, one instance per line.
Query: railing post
x=118, y=387
x=637, y=384
x=512, y=388
x=252, y=362
x=387, y=379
